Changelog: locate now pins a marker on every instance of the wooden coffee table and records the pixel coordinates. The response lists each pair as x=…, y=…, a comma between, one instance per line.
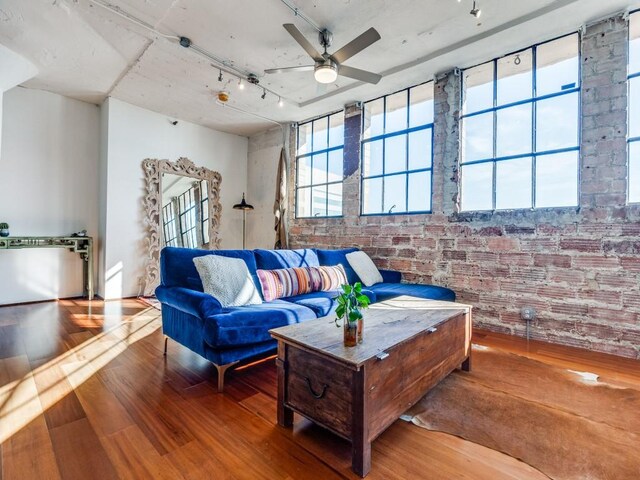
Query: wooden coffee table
x=410, y=344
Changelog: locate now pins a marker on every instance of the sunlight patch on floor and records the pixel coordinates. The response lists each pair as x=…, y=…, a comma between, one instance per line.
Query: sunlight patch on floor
x=21, y=401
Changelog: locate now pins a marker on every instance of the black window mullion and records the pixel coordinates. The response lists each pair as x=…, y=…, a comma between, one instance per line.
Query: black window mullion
x=494, y=180
x=534, y=123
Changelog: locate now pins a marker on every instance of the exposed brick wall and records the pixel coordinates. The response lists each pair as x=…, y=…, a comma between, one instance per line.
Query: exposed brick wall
x=579, y=268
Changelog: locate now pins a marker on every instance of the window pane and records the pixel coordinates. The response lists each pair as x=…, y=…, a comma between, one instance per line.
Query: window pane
x=477, y=187
x=513, y=183
x=336, y=129
x=513, y=131
x=372, y=158
x=396, y=114
x=304, y=171
x=634, y=43
x=320, y=133
x=303, y=202
x=335, y=165
x=319, y=201
x=335, y=200
x=557, y=180
x=419, y=192
x=477, y=137
x=319, y=169
x=395, y=194
x=373, y=118
x=557, y=65
x=420, y=149
x=478, y=88
x=395, y=154
x=304, y=138
x=421, y=105
x=634, y=172
x=557, y=122
x=634, y=107
x=372, y=196
x=515, y=77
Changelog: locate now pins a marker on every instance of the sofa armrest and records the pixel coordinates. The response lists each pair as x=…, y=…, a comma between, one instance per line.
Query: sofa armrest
x=195, y=303
x=391, y=276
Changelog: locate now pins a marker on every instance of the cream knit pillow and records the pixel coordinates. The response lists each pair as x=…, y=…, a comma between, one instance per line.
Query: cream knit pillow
x=364, y=268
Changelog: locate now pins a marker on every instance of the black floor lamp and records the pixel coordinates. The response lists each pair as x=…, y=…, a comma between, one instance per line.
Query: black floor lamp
x=244, y=206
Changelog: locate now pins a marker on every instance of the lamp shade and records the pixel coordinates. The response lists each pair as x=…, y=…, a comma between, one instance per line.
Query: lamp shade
x=243, y=205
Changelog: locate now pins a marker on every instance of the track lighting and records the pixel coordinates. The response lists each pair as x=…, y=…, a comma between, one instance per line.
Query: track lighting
x=475, y=11
x=264, y=94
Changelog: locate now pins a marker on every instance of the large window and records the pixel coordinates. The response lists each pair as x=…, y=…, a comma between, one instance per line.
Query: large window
x=319, y=167
x=520, y=129
x=397, y=152
x=634, y=109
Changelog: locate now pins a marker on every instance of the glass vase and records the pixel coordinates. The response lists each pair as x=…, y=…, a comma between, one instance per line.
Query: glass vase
x=350, y=333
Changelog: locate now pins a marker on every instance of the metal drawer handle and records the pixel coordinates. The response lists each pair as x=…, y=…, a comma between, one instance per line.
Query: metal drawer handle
x=316, y=395
x=432, y=330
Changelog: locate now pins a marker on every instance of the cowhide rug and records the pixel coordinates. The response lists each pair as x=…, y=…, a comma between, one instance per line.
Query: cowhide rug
x=566, y=424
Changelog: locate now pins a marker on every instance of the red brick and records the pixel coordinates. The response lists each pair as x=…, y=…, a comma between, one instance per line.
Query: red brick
x=555, y=292
x=454, y=255
x=516, y=259
x=423, y=242
x=617, y=280
x=503, y=243
x=581, y=245
x=495, y=270
x=573, y=277
x=400, y=240
x=630, y=264
x=545, y=260
x=607, y=297
x=612, y=315
x=595, y=261
x=481, y=257
x=538, y=244
x=466, y=243
x=566, y=308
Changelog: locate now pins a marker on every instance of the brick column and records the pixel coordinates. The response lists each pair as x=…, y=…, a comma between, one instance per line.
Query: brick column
x=351, y=185
x=603, y=168
x=446, y=143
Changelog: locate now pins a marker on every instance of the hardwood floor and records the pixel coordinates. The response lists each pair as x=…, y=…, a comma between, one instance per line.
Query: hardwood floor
x=85, y=393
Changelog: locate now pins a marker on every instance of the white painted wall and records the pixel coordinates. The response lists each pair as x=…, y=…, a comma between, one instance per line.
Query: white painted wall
x=263, y=157
x=133, y=135
x=48, y=184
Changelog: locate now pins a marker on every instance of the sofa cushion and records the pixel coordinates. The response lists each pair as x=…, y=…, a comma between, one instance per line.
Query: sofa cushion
x=339, y=257
x=177, y=268
x=385, y=291
x=275, y=259
x=364, y=268
x=236, y=326
x=288, y=282
x=228, y=280
x=323, y=303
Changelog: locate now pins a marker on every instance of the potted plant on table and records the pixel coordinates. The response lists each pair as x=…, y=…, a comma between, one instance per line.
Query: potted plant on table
x=351, y=302
x=4, y=229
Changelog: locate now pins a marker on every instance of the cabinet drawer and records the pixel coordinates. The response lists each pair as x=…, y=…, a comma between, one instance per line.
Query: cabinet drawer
x=320, y=389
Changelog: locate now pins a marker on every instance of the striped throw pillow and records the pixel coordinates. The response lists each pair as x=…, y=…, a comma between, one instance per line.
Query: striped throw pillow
x=289, y=282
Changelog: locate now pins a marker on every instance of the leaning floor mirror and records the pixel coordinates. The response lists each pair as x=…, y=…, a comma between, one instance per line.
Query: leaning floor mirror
x=182, y=209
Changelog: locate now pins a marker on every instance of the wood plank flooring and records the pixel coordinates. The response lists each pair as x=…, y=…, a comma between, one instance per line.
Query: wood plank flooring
x=85, y=393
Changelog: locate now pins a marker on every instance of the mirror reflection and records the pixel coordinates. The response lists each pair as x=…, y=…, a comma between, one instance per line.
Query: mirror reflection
x=185, y=211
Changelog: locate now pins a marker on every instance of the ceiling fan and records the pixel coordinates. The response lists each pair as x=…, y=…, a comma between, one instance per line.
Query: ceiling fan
x=327, y=66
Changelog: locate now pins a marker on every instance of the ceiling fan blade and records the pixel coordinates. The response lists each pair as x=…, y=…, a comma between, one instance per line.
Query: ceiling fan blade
x=302, y=68
x=304, y=43
x=358, y=74
x=356, y=45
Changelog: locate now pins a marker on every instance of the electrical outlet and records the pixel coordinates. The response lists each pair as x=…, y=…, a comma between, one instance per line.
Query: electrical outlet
x=528, y=314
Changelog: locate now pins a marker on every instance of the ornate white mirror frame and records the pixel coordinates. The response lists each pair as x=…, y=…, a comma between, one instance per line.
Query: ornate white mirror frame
x=152, y=202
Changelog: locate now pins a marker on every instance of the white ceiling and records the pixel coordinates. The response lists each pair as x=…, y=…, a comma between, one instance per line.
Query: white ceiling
x=87, y=52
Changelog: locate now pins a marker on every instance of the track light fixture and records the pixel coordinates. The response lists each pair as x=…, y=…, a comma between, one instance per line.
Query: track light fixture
x=280, y=102
x=264, y=94
x=240, y=85
x=475, y=11
x=220, y=76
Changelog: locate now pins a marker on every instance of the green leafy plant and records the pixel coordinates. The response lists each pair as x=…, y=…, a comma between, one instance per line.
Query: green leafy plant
x=350, y=303
x=4, y=226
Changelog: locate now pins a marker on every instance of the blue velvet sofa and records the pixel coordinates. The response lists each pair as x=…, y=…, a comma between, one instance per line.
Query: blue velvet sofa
x=227, y=336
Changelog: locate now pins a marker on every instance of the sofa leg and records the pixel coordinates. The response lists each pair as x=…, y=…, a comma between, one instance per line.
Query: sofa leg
x=165, y=345
x=222, y=369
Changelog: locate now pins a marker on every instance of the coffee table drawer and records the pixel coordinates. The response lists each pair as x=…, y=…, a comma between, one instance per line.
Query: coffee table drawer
x=320, y=389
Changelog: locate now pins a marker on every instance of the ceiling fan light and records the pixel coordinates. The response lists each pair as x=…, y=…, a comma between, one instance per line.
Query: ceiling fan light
x=325, y=74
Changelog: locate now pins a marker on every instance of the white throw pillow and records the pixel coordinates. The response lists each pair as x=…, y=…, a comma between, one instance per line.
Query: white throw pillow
x=364, y=268
x=227, y=279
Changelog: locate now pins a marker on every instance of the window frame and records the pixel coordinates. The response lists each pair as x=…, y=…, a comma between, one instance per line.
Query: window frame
x=630, y=140
x=533, y=100
x=407, y=131
x=310, y=154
